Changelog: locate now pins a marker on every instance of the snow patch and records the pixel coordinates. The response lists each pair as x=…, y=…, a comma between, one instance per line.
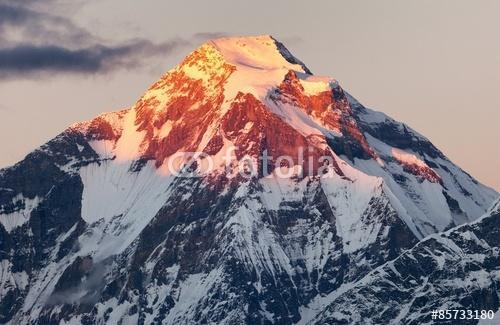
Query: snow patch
x=314, y=85
x=20, y=216
x=407, y=158
x=103, y=148
x=118, y=204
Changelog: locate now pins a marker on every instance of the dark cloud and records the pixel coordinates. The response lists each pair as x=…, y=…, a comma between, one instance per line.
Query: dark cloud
x=40, y=27
x=28, y=59
x=45, y=43
x=13, y=15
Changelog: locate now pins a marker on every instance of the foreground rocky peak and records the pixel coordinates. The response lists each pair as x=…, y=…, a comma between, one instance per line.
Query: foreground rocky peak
x=457, y=269
x=285, y=194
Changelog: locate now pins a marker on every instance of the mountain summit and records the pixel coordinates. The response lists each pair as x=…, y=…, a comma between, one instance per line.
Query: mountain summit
x=240, y=188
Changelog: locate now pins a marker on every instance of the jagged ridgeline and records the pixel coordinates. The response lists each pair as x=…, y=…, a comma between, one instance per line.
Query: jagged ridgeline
x=112, y=221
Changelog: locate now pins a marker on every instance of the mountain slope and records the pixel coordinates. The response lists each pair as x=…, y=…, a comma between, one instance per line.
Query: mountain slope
x=106, y=222
x=457, y=269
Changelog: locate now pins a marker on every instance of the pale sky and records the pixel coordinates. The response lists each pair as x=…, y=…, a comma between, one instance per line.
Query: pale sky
x=432, y=64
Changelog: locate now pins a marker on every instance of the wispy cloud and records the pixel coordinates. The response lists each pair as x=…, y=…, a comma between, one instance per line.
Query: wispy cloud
x=34, y=42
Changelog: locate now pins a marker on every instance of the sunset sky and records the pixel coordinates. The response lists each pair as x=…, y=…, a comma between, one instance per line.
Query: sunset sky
x=434, y=65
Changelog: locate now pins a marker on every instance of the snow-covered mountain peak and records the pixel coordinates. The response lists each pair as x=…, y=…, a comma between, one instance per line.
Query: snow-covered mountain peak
x=226, y=66
x=184, y=109
x=250, y=94
x=258, y=52
x=95, y=228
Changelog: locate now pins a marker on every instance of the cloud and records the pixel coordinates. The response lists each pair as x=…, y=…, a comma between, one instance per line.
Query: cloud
x=84, y=290
x=26, y=59
x=39, y=27
x=35, y=42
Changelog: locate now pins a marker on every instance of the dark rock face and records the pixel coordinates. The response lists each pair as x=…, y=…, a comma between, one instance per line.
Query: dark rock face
x=289, y=56
x=398, y=135
x=73, y=274
x=28, y=248
x=348, y=147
